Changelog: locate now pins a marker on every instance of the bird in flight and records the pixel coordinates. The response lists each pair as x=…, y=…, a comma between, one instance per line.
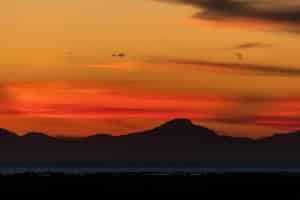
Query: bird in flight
x=121, y=55
x=240, y=56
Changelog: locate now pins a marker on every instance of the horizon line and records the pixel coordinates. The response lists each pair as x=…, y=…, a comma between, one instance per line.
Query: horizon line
x=15, y=133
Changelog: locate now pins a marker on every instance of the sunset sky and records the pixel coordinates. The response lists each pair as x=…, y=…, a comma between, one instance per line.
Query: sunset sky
x=231, y=65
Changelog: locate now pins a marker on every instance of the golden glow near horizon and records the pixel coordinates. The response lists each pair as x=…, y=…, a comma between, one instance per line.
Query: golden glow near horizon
x=57, y=69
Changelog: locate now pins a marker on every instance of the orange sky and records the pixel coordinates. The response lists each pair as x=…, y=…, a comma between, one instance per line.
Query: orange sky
x=234, y=73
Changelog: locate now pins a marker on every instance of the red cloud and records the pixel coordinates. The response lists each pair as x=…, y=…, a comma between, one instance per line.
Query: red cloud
x=63, y=100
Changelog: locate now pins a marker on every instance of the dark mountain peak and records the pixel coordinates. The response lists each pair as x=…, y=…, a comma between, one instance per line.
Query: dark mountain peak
x=183, y=127
x=7, y=133
x=179, y=123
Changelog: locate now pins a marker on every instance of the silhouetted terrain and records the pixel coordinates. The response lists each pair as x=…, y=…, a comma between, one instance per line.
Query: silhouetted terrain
x=178, y=140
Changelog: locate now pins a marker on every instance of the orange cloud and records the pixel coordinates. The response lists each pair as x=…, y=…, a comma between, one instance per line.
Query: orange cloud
x=66, y=102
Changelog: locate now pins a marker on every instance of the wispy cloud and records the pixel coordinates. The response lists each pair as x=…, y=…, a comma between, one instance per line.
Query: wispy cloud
x=251, y=45
x=121, y=65
x=254, y=69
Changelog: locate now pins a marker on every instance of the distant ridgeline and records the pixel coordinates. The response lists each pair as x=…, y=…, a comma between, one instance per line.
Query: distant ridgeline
x=177, y=140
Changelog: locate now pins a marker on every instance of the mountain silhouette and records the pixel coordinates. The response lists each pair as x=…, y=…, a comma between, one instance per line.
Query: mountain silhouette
x=176, y=140
x=7, y=134
x=291, y=138
x=183, y=128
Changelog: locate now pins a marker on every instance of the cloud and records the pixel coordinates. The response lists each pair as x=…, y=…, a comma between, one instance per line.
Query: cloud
x=52, y=100
x=122, y=65
x=249, y=69
x=282, y=113
x=266, y=12
x=253, y=69
x=278, y=122
x=251, y=45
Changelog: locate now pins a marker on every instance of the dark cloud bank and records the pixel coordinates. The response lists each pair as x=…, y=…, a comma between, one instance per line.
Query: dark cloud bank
x=270, y=11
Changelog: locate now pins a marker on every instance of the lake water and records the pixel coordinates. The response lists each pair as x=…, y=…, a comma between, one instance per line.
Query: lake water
x=145, y=168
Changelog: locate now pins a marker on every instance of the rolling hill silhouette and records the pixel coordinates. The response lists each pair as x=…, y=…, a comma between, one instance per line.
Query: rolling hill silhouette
x=177, y=140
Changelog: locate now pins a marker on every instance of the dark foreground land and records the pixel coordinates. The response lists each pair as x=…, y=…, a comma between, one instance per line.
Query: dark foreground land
x=177, y=156
x=144, y=182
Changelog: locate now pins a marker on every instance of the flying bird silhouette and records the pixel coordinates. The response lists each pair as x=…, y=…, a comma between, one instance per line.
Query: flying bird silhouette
x=240, y=56
x=121, y=55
